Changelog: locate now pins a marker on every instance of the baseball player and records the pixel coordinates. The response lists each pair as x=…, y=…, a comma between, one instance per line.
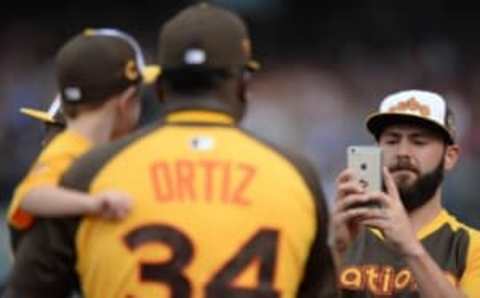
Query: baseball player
x=101, y=73
x=217, y=212
x=410, y=246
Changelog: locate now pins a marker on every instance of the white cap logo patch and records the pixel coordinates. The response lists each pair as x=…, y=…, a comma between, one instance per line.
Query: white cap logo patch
x=72, y=93
x=195, y=56
x=415, y=102
x=412, y=105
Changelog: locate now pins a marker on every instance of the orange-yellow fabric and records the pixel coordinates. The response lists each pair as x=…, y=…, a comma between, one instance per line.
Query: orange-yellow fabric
x=47, y=170
x=211, y=199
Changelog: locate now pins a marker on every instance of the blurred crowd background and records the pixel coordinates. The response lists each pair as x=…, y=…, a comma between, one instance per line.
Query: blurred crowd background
x=325, y=67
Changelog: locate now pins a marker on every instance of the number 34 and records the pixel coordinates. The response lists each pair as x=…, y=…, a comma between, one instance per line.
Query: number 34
x=262, y=245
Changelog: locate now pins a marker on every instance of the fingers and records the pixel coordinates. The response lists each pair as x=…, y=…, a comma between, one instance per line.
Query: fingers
x=350, y=215
x=120, y=214
x=350, y=201
x=345, y=176
x=347, y=188
x=374, y=214
x=378, y=223
x=372, y=200
x=347, y=184
x=390, y=184
x=116, y=205
x=380, y=198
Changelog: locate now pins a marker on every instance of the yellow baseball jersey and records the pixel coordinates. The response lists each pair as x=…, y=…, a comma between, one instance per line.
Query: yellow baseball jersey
x=216, y=213
x=49, y=167
x=372, y=270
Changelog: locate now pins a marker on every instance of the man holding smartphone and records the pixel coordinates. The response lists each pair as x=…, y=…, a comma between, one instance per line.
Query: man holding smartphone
x=410, y=246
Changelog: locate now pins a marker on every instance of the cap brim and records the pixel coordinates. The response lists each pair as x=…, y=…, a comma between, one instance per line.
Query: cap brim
x=377, y=121
x=151, y=73
x=253, y=65
x=38, y=114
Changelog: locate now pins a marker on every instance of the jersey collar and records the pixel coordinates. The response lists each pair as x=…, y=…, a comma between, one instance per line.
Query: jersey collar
x=435, y=224
x=199, y=116
x=426, y=230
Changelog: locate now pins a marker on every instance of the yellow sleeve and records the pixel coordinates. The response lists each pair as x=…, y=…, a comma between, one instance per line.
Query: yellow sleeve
x=470, y=282
x=43, y=173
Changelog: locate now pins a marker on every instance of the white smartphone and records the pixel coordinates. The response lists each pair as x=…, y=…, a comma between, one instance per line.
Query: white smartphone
x=366, y=162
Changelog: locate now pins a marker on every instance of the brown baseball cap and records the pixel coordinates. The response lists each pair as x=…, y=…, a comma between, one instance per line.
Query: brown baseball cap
x=204, y=35
x=99, y=63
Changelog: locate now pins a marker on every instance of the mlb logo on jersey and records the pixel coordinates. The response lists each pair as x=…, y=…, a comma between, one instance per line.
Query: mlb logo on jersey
x=202, y=143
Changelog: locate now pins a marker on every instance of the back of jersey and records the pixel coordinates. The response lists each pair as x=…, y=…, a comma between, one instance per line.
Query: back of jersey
x=216, y=214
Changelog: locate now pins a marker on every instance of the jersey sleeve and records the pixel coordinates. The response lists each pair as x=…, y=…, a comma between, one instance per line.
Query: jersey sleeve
x=46, y=258
x=319, y=278
x=43, y=173
x=470, y=281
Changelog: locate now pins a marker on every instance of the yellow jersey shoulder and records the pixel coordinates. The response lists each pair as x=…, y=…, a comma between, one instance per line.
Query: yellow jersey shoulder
x=47, y=170
x=67, y=143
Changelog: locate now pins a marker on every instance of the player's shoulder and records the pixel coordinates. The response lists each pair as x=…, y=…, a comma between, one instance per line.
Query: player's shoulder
x=458, y=225
x=297, y=160
x=67, y=144
x=474, y=234
x=292, y=156
x=85, y=168
x=473, y=239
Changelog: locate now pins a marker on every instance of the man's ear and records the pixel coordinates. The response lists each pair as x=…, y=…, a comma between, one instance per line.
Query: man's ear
x=127, y=97
x=452, y=154
x=242, y=93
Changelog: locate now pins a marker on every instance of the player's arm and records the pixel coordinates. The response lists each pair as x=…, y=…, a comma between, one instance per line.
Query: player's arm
x=54, y=201
x=46, y=172
x=343, y=226
x=392, y=220
x=431, y=280
x=45, y=261
x=319, y=278
x=46, y=257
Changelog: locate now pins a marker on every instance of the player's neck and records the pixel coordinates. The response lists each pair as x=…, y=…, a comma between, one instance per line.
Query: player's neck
x=96, y=126
x=425, y=214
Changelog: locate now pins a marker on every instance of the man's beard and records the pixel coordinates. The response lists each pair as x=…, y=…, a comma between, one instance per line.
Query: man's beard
x=421, y=191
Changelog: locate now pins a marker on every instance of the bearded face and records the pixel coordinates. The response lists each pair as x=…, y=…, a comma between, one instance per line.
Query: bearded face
x=416, y=188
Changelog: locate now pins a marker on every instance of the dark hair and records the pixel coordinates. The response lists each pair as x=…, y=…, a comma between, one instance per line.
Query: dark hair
x=194, y=80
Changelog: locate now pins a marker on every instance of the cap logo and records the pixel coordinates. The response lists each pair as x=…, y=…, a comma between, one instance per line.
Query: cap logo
x=73, y=93
x=131, y=71
x=195, y=56
x=412, y=105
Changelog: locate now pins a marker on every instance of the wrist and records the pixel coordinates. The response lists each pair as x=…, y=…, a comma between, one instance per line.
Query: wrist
x=93, y=206
x=414, y=250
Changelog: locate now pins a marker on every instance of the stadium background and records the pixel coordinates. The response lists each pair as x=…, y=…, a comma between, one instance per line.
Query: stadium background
x=325, y=67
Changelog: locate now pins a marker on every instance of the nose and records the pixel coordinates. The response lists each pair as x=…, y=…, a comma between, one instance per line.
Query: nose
x=404, y=149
